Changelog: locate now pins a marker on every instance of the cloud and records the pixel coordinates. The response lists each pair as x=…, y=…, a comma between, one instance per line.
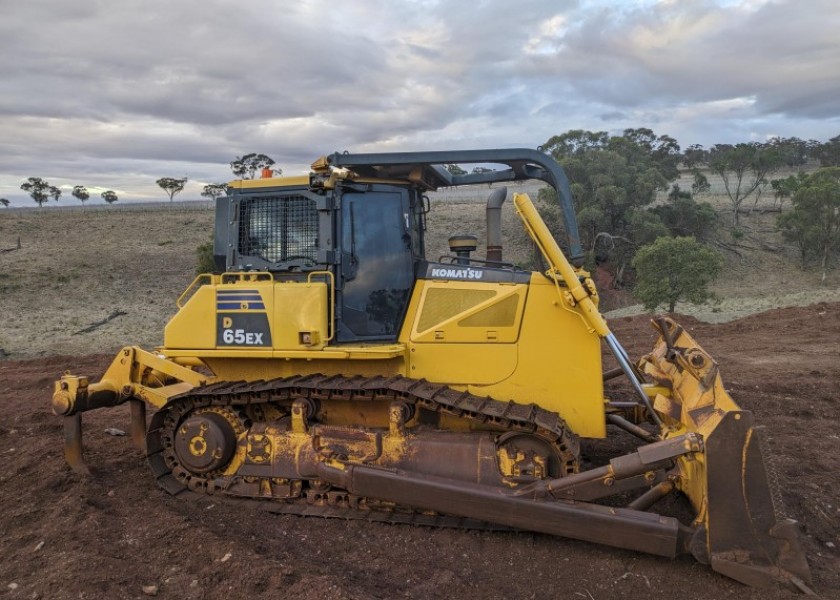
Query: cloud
x=781, y=53
x=119, y=94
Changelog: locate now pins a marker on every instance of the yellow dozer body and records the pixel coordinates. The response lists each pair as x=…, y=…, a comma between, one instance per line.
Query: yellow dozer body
x=333, y=370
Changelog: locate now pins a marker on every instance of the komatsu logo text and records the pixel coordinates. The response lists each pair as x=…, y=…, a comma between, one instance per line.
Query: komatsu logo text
x=457, y=273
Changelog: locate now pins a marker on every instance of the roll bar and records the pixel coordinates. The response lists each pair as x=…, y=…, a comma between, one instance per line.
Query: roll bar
x=523, y=163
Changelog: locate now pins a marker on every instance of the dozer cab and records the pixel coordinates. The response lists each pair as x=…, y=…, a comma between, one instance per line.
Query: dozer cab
x=335, y=369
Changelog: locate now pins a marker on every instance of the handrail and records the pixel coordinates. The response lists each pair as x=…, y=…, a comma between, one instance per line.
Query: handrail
x=246, y=276
x=188, y=293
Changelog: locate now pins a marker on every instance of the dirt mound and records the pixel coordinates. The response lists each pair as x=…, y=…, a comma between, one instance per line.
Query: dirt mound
x=64, y=536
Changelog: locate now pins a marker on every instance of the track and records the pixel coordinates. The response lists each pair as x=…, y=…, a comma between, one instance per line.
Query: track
x=243, y=403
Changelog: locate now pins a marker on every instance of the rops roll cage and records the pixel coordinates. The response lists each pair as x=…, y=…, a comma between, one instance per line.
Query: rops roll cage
x=523, y=164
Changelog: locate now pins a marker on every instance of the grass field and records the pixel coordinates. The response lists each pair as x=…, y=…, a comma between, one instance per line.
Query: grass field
x=77, y=267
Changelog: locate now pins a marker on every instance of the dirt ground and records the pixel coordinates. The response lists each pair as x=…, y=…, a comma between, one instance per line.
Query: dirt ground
x=67, y=536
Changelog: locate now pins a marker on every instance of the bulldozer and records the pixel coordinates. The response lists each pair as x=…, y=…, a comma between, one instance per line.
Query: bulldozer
x=330, y=368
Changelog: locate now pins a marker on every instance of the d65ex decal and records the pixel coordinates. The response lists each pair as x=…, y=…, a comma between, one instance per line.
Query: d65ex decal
x=243, y=329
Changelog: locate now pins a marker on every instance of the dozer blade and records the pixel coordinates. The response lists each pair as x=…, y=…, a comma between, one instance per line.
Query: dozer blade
x=748, y=538
x=741, y=530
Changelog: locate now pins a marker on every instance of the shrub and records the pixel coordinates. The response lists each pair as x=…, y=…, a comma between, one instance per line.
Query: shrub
x=674, y=269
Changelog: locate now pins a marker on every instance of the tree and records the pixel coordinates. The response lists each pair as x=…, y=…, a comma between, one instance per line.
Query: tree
x=663, y=149
x=215, y=190
x=829, y=152
x=683, y=216
x=613, y=179
x=675, y=269
x=814, y=222
x=81, y=194
x=785, y=188
x=792, y=152
x=245, y=167
x=642, y=227
x=4, y=202
x=610, y=175
x=109, y=196
x=701, y=183
x=40, y=190
x=455, y=170
x=172, y=185
x=206, y=262
x=743, y=167
x=480, y=170
x=575, y=142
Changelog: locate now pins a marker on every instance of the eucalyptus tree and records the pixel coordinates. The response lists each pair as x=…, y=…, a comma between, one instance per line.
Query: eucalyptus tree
x=742, y=167
x=814, y=221
x=40, y=190
x=673, y=269
x=172, y=185
x=215, y=190
x=247, y=166
x=81, y=194
x=614, y=180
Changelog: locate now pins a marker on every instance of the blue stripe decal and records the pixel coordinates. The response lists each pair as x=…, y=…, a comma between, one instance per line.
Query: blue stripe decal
x=238, y=305
x=232, y=298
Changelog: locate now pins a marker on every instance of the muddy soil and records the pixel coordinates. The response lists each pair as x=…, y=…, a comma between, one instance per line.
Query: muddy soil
x=111, y=535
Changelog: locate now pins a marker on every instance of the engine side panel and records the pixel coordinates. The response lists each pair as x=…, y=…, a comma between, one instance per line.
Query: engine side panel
x=491, y=339
x=559, y=363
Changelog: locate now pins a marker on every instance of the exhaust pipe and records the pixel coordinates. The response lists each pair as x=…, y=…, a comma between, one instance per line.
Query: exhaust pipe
x=494, y=224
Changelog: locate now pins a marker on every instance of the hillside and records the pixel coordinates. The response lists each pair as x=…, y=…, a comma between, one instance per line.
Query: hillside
x=77, y=267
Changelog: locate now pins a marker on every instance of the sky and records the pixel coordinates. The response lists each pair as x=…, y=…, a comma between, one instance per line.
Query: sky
x=117, y=94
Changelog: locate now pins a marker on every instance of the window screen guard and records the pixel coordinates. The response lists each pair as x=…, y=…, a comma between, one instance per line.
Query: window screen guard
x=279, y=228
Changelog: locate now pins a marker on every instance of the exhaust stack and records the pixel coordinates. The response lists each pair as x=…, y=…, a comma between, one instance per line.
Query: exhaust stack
x=494, y=224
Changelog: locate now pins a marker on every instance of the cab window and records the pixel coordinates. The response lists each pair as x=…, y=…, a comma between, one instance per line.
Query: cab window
x=377, y=264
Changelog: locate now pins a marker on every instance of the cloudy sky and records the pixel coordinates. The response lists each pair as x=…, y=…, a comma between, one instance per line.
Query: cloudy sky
x=116, y=94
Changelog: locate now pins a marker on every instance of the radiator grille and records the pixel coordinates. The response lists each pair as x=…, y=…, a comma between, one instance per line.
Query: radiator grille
x=277, y=228
x=444, y=303
x=500, y=314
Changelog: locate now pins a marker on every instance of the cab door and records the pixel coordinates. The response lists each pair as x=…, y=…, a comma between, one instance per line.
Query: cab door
x=377, y=264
